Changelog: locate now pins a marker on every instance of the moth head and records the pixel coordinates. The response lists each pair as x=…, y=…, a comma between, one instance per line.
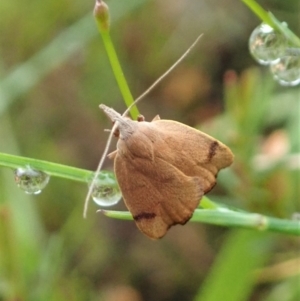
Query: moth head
x=124, y=126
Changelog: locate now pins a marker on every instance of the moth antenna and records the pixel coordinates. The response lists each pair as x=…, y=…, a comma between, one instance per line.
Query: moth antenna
x=91, y=187
x=164, y=75
x=88, y=196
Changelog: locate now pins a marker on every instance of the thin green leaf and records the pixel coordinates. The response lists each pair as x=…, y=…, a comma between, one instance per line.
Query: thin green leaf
x=232, y=276
x=53, y=169
x=228, y=218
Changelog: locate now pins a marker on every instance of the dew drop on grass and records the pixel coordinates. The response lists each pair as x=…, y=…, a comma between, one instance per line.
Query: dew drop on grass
x=104, y=195
x=287, y=70
x=267, y=45
x=105, y=191
x=30, y=180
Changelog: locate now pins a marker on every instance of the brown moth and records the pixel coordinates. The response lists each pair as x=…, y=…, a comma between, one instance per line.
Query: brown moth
x=163, y=169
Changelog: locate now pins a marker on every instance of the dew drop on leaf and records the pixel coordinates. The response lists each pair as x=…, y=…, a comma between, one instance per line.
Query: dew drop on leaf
x=266, y=45
x=106, y=196
x=287, y=70
x=30, y=180
x=105, y=191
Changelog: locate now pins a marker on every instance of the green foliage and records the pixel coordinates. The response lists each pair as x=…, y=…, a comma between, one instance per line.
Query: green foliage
x=246, y=250
x=54, y=74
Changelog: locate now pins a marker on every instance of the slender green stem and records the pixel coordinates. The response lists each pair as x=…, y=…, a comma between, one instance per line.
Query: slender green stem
x=229, y=218
x=101, y=13
x=292, y=38
x=259, y=11
x=53, y=169
x=117, y=70
x=270, y=19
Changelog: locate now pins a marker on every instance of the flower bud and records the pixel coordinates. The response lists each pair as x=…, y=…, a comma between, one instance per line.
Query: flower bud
x=101, y=13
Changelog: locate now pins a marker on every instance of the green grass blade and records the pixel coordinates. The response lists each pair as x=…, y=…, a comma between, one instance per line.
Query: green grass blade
x=232, y=275
x=53, y=169
x=102, y=18
x=228, y=218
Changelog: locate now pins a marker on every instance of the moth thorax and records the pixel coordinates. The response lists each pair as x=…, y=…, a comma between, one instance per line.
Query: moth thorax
x=126, y=127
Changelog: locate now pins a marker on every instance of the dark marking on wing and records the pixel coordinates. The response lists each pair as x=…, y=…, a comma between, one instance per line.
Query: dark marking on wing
x=144, y=215
x=212, y=150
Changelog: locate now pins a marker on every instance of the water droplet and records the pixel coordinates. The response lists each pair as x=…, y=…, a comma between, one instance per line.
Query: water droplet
x=106, y=191
x=266, y=45
x=30, y=180
x=287, y=70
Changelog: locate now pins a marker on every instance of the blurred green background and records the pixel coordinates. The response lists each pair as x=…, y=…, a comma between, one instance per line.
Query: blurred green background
x=54, y=74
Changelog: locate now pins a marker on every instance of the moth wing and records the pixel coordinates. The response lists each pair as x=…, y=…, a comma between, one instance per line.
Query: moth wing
x=191, y=151
x=157, y=194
